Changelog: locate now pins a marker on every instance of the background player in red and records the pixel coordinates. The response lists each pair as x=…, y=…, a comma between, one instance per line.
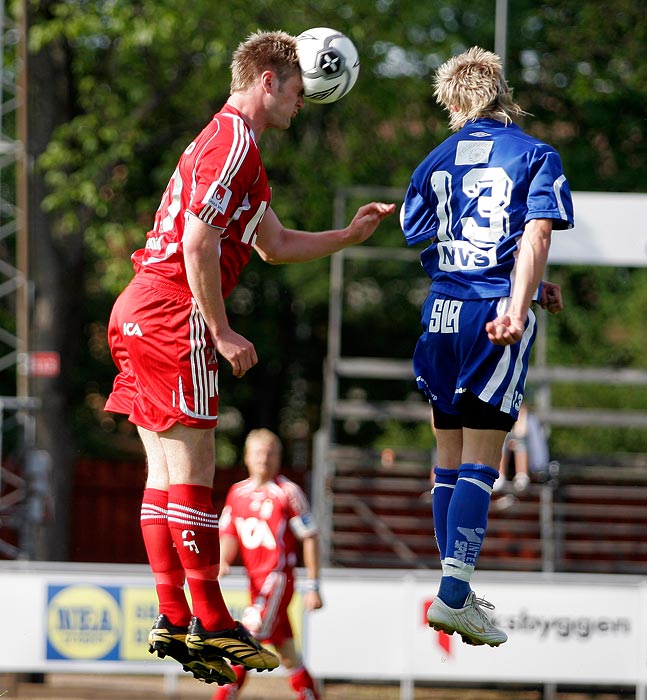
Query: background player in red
x=265, y=517
x=169, y=324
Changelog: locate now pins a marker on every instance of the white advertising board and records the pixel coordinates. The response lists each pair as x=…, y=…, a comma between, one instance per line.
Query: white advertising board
x=588, y=629
x=610, y=229
x=86, y=618
x=568, y=629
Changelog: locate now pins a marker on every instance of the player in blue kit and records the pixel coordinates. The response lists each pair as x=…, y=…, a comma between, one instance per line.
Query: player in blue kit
x=486, y=201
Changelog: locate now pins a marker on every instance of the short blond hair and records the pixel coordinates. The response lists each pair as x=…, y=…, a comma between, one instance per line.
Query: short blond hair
x=472, y=86
x=275, y=51
x=263, y=435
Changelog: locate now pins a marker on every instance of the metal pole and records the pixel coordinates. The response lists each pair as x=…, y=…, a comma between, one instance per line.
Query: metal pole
x=2, y=30
x=325, y=436
x=406, y=688
x=321, y=503
x=334, y=321
x=542, y=400
x=1, y=126
x=22, y=235
x=549, y=691
x=547, y=528
x=27, y=538
x=1, y=440
x=501, y=31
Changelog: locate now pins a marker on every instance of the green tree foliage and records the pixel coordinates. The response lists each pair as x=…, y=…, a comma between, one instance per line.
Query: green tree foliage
x=579, y=69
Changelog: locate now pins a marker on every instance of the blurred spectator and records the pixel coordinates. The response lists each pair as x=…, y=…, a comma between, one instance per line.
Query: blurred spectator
x=525, y=452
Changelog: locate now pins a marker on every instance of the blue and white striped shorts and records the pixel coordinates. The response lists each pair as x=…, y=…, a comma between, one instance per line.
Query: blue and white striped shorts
x=453, y=355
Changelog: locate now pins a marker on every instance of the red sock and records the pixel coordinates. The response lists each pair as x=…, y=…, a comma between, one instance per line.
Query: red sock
x=173, y=603
x=193, y=523
x=163, y=557
x=303, y=684
x=230, y=690
x=209, y=605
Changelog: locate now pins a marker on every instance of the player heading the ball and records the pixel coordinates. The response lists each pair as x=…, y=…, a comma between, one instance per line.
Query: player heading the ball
x=214, y=214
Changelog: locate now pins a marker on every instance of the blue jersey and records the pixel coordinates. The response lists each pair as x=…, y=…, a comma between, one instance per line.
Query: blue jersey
x=471, y=198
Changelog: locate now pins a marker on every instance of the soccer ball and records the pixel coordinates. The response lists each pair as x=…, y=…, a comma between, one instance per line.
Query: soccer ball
x=329, y=64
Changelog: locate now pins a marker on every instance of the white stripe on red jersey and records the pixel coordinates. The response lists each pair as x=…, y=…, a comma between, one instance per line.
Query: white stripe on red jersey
x=219, y=178
x=259, y=518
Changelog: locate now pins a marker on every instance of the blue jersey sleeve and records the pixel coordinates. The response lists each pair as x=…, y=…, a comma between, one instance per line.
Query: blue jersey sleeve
x=549, y=195
x=417, y=216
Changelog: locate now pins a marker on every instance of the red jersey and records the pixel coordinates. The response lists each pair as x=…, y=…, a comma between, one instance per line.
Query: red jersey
x=267, y=522
x=220, y=178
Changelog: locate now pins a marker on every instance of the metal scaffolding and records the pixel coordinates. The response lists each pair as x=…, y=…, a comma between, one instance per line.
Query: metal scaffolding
x=16, y=410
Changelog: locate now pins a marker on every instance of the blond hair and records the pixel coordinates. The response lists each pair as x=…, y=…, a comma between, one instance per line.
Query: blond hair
x=472, y=86
x=263, y=435
x=275, y=51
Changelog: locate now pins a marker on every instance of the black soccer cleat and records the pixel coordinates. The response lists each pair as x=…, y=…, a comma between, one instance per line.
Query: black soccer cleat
x=235, y=644
x=170, y=640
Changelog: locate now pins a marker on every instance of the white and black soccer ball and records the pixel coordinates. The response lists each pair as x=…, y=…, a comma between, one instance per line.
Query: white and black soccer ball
x=329, y=64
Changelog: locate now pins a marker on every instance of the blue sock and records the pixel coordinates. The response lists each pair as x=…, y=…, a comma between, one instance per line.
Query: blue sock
x=466, y=525
x=444, y=483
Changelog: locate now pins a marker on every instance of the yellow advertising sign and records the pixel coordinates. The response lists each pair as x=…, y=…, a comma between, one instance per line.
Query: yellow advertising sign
x=111, y=623
x=83, y=622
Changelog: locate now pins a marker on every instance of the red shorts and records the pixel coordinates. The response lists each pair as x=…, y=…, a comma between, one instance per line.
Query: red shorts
x=272, y=596
x=168, y=369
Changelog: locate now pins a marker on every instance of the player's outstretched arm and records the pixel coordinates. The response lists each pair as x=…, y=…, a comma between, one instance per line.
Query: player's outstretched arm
x=277, y=244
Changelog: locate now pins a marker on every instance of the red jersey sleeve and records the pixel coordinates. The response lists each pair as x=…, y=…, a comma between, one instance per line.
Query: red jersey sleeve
x=301, y=521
